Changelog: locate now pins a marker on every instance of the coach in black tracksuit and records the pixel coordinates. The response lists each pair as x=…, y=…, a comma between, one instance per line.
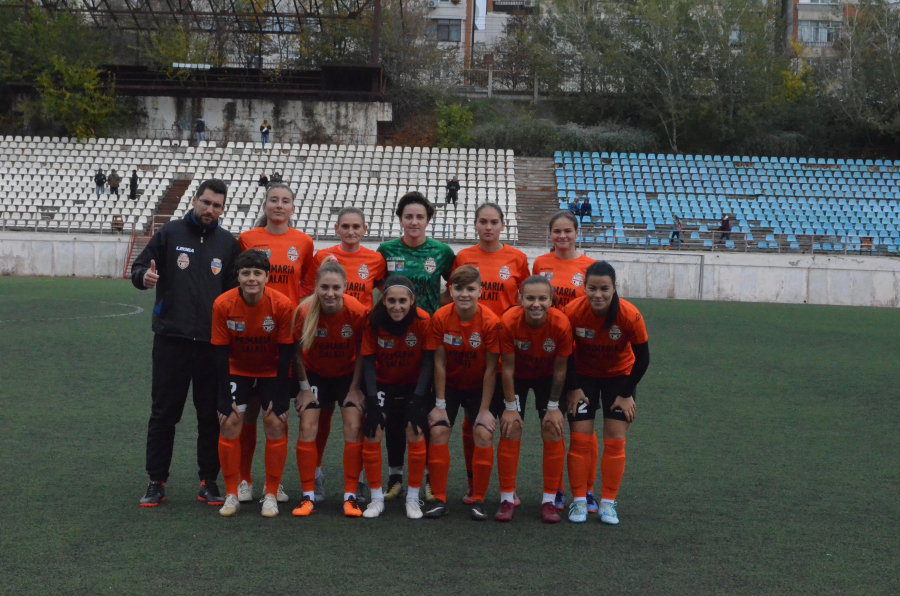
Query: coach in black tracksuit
x=190, y=263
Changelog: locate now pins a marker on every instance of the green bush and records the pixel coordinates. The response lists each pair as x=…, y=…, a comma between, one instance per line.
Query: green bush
x=540, y=138
x=454, y=125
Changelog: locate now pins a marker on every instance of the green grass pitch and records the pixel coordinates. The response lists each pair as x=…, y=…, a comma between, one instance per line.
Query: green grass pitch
x=765, y=459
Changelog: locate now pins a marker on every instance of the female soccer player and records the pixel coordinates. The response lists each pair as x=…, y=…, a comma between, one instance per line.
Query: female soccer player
x=365, y=271
x=565, y=268
x=502, y=269
x=535, y=342
x=252, y=338
x=398, y=353
x=290, y=254
x=611, y=356
x=424, y=261
x=467, y=340
x=328, y=328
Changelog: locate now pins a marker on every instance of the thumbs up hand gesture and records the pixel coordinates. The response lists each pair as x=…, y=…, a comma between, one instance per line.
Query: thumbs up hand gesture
x=151, y=277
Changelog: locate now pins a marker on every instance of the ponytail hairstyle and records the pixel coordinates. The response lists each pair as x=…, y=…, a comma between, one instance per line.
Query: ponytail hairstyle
x=311, y=322
x=604, y=269
x=540, y=280
x=379, y=317
x=490, y=205
x=262, y=220
x=464, y=275
x=563, y=215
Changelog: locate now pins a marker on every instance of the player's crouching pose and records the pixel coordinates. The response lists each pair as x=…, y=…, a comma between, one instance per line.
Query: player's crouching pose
x=535, y=343
x=467, y=340
x=398, y=363
x=611, y=356
x=328, y=328
x=252, y=335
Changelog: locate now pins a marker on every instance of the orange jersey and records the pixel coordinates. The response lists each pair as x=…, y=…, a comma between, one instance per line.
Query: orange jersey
x=333, y=353
x=253, y=332
x=535, y=349
x=398, y=360
x=364, y=269
x=565, y=275
x=290, y=255
x=502, y=274
x=466, y=344
x=603, y=352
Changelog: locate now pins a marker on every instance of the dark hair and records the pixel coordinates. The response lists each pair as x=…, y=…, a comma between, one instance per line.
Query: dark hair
x=539, y=280
x=379, y=317
x=464, y=275
x=566, y=214
x=492, y=206
x=414, y=197
x=252, y=259
x=214, y=184
x=604, y=269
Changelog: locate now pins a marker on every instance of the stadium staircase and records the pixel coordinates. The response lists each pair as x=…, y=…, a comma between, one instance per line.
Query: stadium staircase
x=162, y=214
x=536, y=194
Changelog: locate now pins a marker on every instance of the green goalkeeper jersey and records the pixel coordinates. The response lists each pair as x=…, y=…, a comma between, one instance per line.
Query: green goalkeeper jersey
x=424, y=265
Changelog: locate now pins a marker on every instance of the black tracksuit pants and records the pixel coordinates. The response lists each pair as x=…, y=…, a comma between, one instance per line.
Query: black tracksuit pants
x=177, y=364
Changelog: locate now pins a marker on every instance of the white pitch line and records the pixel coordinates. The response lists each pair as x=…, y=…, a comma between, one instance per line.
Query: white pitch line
x=137, y=310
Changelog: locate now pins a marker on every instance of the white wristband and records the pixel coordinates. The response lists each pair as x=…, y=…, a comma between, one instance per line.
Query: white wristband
x=552, y=405
x=304, y=386
x=440, y=404
x=511, y=406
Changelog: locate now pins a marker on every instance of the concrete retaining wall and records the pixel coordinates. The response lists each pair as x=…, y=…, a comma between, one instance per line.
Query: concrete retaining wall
x=30, y=253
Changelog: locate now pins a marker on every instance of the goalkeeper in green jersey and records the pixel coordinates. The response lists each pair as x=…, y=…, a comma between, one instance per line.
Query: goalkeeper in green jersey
x=424, y=261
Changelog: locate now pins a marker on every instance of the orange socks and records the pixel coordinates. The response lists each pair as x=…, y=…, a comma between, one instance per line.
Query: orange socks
x=353, y=463
x=592, y=467
x=554, y=462
x=579, y=460
x=482, y=465
x=439, y=469
x=276, y=455
x=508, y=464
x=306, y=465
x=371, y=459
x=612, y=467
x=230, y=459
x=248, y=448
x=416, y=462
x=468, y=445
x=322, y=436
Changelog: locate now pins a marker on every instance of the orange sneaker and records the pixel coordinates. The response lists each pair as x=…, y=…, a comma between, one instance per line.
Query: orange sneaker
x=305, y=508
x=351, y=509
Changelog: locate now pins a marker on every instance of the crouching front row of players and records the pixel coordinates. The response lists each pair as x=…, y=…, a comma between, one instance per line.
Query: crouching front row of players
x=397, y=363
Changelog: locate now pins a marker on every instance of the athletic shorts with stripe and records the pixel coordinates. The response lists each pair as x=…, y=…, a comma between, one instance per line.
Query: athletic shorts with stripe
x=243, y=389
x=601, y=392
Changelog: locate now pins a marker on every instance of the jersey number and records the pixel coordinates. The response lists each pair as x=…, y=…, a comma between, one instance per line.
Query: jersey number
x=582, y=408
x=233, y=390
x=380, y=396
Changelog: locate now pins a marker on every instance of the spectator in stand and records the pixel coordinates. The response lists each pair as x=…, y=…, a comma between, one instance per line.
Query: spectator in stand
x=276, y=177
x=263, y=180
x=452, y=190
x=575, y=207
x=100, y=181
x=725, y=228
x=200, y=128
x=114, y=181
x=132, y=188
x=264, y=130
x=586, y=209
x=676, y=229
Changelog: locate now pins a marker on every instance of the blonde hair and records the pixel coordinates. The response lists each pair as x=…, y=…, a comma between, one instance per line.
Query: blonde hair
x=311, y=322
x=262, y=220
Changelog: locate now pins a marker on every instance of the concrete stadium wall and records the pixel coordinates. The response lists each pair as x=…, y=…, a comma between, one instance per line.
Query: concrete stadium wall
x=31, y=253
x=239, y=119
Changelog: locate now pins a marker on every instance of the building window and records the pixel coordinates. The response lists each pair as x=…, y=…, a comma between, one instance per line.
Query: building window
x=819, y=33
x=446, y=29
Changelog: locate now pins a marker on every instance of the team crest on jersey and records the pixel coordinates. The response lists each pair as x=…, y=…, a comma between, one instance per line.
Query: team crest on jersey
x=346, y=331
x=387, y=344
x=321, y=332
x=475, y=340
x=547, y=274
x=584, y=332
x=216, y=266
x=430, y=265
x=363, y=272
x=411, y=339
x=452, y=340
x=183, y=261
x=523, y=345
x=549, y=345
x=268, y=324
x=615, y=333
x=293, y=254
x=236, y=325
x=395, y=265
x=505, y=273
x=578, y=280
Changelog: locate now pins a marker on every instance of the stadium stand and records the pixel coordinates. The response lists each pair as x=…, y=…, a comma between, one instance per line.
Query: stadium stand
x=776, y=204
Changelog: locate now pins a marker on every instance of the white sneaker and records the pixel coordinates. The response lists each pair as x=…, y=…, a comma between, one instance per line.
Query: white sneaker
x=375, y=509
x=414, y=509
x=608, y=513
x=282, y=496
x=231, y=506
x=269, y=506
x=245, y=492
x=320, y=486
